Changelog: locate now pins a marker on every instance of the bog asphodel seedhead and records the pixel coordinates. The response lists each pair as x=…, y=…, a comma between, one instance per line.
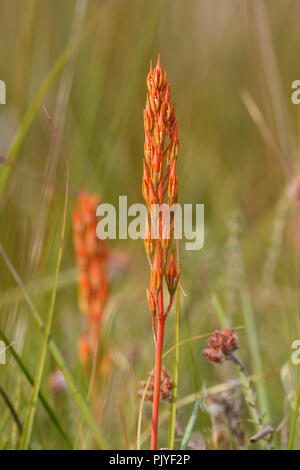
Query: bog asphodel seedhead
x=160, y=186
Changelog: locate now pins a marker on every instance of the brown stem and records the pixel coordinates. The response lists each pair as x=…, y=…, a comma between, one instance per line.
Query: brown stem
x=263, y=433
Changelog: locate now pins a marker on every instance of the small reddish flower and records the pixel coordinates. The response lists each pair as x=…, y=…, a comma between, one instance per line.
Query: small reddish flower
x=221, y=344
x=166, y=386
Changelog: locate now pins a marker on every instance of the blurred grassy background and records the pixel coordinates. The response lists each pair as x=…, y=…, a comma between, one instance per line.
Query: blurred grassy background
x=211, y=52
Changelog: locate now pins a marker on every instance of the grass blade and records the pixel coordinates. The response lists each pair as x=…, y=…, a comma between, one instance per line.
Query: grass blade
x=244, y=386
x=37, y=101
x=28, y=426
x=190, y=426
x=253, y=342
x=219, y=310
x=60, y=361
x=42, y=399
x=294, y=419
x=165, y=354
x=172, y=423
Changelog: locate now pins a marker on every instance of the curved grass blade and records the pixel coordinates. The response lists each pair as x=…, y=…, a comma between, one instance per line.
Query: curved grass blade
x=60, y=361
x=244, y=386
x=37, y=101
x=42, y=399
x=294, y=419
x=190, y=426
x=28, y=425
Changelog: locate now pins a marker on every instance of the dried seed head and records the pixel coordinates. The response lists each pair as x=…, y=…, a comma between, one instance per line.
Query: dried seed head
x=166, y=386
x=221, y=344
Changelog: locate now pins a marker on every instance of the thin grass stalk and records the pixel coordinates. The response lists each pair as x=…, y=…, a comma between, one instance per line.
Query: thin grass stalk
x=252, y=339
x=294, y=419
x=12, y=409
x=120, y=122
x=60, y=361
x=190, y=426
x=42, y=399
x=242, y=378
x=172, y=423
x=38, y=99
x=28, y=425
x=189, y=399
x=165, y=354
x=91, y=383
x=276, y=241
x=221, y=347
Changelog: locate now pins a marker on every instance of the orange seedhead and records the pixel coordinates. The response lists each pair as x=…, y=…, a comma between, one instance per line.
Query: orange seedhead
x=92, y=258
x=159, y=186
x=160, y=183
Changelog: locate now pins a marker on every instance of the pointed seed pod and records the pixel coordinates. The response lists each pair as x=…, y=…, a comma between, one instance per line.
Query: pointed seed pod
x=172, y=276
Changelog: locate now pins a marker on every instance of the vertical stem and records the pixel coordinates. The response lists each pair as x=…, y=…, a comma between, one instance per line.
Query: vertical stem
x=172, y=424
x=252, y=396
x=157, y=372
x=294, y=420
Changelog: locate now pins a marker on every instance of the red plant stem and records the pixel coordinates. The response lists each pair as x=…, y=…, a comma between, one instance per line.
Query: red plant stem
x=157, y=372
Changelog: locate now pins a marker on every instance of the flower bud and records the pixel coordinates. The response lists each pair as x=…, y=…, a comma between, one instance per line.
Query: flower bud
x=165, y=111
x=156, y=273
x=155, y=101
x=148, y=242
x=151, y=301
x=158, y=74
x=172, y=276
x=156, y=172
x=159, y=131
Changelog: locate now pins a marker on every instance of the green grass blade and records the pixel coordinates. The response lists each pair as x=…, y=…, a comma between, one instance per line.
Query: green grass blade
x=42, y=399
x=253, y=342
x=294, y=419
x=60, y=361
x=172, y=423
x=165, y=354
x=219, y=310
x=190, y=426
x=28, y=426
x=244, y=386
x=90, y=389
x=37, y=101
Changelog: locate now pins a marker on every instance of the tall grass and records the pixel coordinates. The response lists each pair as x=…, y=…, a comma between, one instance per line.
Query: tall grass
x=230, y=65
